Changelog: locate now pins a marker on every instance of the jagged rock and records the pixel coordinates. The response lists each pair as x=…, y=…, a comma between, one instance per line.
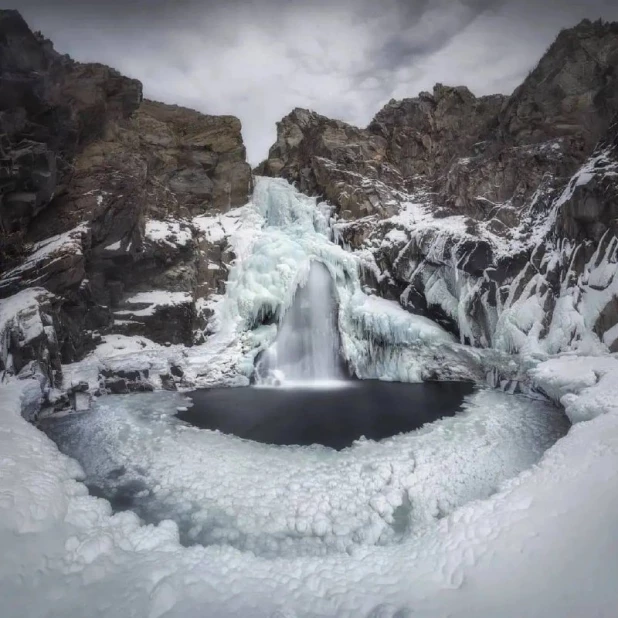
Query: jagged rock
x=86, y=166
x=331, y=158
x=590, y=202
x=50, y=108
x=507, y=219
x=164, y=317
x=572, y=91
x=426, y=133
x=28, y=336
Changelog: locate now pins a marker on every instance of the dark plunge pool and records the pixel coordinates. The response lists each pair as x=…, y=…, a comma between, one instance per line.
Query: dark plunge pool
x=333, y=417
x=220, y=490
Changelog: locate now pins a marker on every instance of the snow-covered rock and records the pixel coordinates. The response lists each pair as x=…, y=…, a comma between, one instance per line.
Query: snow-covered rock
x=28, y=341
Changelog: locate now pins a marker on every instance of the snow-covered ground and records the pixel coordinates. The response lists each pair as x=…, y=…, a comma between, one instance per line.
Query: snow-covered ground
x=297, y=501
x=468, y=517
x=544, y=544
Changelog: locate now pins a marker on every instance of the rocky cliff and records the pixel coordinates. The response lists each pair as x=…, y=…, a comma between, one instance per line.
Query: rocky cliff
x=495, y=216
x=98, y=191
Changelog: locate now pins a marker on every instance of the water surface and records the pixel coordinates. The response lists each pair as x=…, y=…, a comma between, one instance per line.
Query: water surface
x=333, y=417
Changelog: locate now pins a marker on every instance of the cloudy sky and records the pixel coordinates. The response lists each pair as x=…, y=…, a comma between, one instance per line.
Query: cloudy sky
x=258, y=59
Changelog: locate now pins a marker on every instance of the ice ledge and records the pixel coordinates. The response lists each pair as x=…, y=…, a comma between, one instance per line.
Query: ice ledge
x=586, y=386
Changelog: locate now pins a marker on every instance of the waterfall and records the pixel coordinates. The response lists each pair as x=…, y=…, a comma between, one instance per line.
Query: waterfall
x=306, y=350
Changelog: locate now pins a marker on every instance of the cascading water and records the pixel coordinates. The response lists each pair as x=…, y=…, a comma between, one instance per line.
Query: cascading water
x=307, y=348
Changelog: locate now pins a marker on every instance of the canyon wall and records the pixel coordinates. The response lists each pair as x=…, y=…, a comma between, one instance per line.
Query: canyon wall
x=495, y=215
x=98, y=191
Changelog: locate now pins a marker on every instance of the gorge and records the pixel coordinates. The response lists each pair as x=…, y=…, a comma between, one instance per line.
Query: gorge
x=437, y=290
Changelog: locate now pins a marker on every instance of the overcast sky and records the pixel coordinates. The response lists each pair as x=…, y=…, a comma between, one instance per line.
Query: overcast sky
x=258, y=59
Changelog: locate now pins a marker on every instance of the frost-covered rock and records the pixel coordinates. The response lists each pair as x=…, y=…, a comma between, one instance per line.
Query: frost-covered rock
x=494, y=216
x=29, y=344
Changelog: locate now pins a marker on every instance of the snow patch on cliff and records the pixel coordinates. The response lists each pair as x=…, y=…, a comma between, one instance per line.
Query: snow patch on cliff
x=172, y=233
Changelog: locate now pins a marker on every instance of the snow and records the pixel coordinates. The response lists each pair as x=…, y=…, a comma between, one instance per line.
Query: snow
x=585, y=386
x=215, y=228
x=215, y=363
x=113, y=247
x=21, y=320
x=600, y=164
x=316, y=532
x=52, y=248
x=420, y=247
x=171, y=232
x=387, y=321
x=155, y=299
x=371, y=494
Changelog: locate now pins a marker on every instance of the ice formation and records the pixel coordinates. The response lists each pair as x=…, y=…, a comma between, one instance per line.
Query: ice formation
x=298, y=501
x=307, y=348
x=276, y=239
x=470, y=561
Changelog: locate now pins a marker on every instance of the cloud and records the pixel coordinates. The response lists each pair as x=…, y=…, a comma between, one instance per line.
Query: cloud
x=258, y=59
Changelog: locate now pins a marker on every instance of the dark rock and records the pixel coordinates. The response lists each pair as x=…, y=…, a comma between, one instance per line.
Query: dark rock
x=167, y=382
x=176, y=371
x=85, y=160
x=117, y=386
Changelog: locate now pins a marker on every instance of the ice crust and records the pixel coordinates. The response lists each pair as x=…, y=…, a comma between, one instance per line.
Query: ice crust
x=550, y=531
x=294, y=501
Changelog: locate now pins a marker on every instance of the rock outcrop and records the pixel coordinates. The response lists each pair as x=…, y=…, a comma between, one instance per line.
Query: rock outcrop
x=98, y=193
x=496, y=215
x=334, y=159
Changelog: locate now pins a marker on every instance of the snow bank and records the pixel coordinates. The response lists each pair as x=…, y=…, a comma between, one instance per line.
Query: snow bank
x=586, y=386
x=550, y=532
x=218, y=362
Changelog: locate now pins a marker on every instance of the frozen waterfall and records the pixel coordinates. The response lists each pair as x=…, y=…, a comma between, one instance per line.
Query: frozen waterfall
x=307, y=348
x=288, y=270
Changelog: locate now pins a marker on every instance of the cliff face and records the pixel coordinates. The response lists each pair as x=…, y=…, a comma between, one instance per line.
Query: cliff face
x=98, y=190
x=493, y=215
